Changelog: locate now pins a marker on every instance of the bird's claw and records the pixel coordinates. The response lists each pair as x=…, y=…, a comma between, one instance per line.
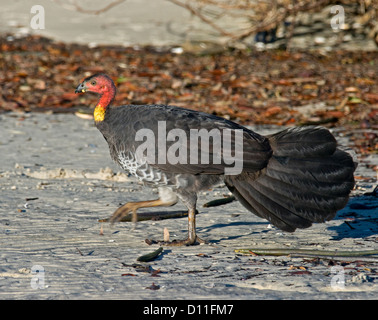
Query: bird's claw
x=177, y=243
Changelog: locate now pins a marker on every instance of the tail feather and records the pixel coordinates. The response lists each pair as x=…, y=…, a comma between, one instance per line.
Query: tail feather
x=306, y=181
x=294, y=142
x=306, y=204
x=328, y=175
x=321, y=187
x=334, y=168
x=268, y=208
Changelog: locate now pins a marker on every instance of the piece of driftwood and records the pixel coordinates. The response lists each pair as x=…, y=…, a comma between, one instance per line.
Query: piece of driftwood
x=305, y=252
x=219, y=202
x=156, y=215
x=150, y=256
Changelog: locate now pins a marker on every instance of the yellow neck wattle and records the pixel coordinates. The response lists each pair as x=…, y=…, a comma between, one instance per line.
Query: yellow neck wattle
x=99, y=113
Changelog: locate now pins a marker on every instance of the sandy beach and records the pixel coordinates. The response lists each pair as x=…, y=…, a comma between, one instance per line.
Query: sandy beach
x=57, y=180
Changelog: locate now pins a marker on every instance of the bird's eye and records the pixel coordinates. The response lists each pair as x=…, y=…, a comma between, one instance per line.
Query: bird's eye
x=93, y=83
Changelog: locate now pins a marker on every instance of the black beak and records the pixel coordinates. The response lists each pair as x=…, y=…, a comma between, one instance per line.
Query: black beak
x=81, y=88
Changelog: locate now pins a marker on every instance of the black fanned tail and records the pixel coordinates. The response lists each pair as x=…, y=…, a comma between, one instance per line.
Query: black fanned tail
x=306, y=180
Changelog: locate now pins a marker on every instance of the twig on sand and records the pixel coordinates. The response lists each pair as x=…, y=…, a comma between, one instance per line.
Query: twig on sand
x=142, y=216
x=166, y=235
x=306, y=252
x=219, y=202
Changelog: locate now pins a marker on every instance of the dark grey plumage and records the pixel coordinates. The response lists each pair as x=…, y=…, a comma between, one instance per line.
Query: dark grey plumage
x=292, y=178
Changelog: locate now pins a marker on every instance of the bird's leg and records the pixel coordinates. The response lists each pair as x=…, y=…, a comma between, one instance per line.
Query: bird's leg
x=133, y=207
x=192, y=236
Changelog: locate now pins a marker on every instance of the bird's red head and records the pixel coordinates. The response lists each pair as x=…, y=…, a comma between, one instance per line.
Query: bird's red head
x=98, y=83
x=104, y=86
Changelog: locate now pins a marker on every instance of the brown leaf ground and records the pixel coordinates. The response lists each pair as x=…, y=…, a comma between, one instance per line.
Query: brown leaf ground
x=337, y=88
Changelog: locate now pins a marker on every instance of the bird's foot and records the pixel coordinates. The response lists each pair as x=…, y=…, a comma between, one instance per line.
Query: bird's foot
x=123, y=211
x=177, y=243
x=132, y=207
